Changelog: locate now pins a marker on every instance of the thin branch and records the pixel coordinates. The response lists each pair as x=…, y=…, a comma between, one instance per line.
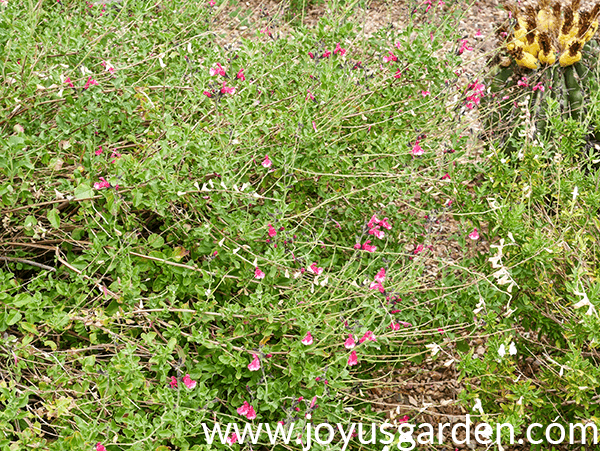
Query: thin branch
x=27, y=262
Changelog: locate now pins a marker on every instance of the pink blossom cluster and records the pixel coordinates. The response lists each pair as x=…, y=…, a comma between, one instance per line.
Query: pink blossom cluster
x=375, y=226
x=430, y=5
x=327, y=53
x=399, y=325
x=90, y=82
x=464, y=46
x=390, y=57
x=219, y=70
x=478, y=91
x=103, y=183
x=377, y=284
x=350, y=343
x=247, y=410
x=189, y=383
x=366, y=247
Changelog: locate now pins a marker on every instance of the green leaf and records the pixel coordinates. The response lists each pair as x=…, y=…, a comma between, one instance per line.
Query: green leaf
x=156, y=241
x=83, y=191
x=30, y=221
x=54, y=218
x=29, y=328
x=13, y=317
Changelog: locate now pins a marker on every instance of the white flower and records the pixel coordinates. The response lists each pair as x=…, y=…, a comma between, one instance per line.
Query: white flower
x=503, y=277
x=584, y=302
x=575, y=193
x=512, y=349
x=434, y=348
x=480, y=306
x=478, y=406
x=496, y=259
x=502, y=350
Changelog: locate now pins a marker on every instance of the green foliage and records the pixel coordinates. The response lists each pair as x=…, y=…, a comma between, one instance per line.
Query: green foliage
x=138, y=211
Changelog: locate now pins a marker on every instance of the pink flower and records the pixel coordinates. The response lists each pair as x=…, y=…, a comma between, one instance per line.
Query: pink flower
x=240, y=75
x=100, y=447
x=109, y=67
x=417, y=150
x=418, y=249
x=394, y=326
x=102, y=184
x=464, y=46
x=474, y=235
x=188, y=382
x=308, y=340
x=99, y=151
x=446, y=177
x=272, y=231
x=232, y=439
x=404, y=419
x=385, y=224
x=312, y=403
x=227, y=89
x=312, y=56
x=390, y=57
x=373, y=222
x=378, y=233
x=398, y=74
x=90, y=82
x=326, y=54
x=539, y=86
x=357, y=246
x=314, y=126
x=352, y=360
x=523, y=82
x=266, y=162
x=258, y=274
x=217, y=71
x=377, y=286
x=212, y=3
x=315, y=270
x=478, y=93
x=309, y=95
x=247, y=410
x=349, y=343
x=68, y=81
x=115, y=156
x=255, y=364
x=339, y=49
x=367, y=247
x=368, y=336
x=380, y=276
x=251, y=415
x=207, y=94
x=173, y=382
x=425, y=93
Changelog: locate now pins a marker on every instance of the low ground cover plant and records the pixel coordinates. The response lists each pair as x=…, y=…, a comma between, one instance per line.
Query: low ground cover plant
x=197, y=232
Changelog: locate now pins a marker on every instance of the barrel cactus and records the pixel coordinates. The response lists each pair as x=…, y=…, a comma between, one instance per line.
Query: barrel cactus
x=547, y=51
